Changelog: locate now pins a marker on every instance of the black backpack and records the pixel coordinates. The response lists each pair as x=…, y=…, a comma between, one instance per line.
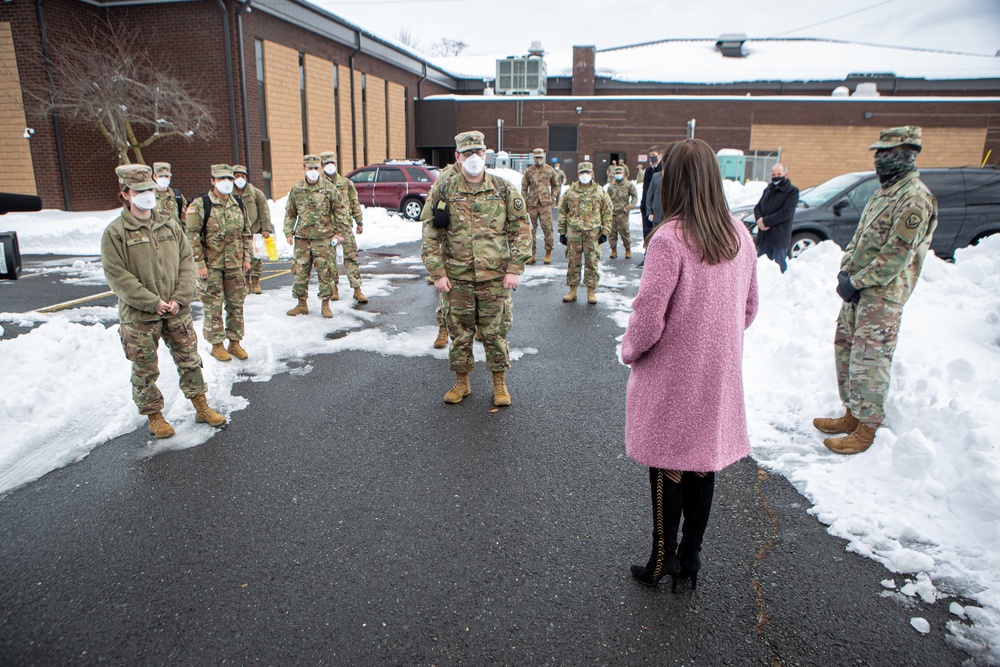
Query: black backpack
x=206, y=202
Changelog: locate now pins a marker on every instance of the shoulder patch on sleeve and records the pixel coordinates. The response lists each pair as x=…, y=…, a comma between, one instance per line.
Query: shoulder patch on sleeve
x=518, y=204
x=190, y=208
x=912, y=217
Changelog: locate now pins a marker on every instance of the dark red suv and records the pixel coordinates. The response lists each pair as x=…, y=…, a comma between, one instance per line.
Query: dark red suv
x=397, y=185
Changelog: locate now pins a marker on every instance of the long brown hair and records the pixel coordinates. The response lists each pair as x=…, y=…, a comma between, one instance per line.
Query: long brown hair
x=692, y=192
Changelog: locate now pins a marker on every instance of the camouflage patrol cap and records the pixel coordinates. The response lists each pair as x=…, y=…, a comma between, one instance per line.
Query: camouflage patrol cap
x=538, y=152
x=222, y=171
x=161, y=169
x=327, y=157
x=310, y=161
x=585, y=166
x=240, y=169
x=619, y=170
x=908, y=135
x=470, y=141
x=135, y=176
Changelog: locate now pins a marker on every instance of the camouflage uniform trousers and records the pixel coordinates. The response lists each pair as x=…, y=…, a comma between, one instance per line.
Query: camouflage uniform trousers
x=583, y=252
x=619, y=225
x=484, y=304
x=863, y=347
x=351, y=267
x=310, y=253
x=141, y=340
x=224, y=287
x=540, y=216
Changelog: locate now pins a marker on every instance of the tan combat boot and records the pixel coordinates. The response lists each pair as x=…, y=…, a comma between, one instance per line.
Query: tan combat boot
x=359, y=297
x=237, y=350
x=571, y=295
x=255, y=285
x=531, y=261
x=845, y=424
x=301, y=309
x=325, y=309
x=614, y=254
x=219, y=352
x=204, y=414
x=858, y=441
x=442, y=339
x=548, y=257
x=158, y=426
x=591, y=295
x=500, y=394
x=461, y=389
x=628, y=253
x=336, y=293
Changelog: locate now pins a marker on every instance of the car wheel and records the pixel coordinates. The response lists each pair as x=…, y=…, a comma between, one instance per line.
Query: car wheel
x=411, y=208
x=802, y=241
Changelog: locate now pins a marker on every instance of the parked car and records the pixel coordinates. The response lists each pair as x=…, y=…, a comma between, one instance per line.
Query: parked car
x=398, y=185
x=968, y=208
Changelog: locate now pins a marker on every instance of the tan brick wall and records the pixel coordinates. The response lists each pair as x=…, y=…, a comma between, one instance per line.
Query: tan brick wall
x=284, y=116
x=359, y=136
x=321, y=116
x=815, y=153
x=397, y=121
x=16, y=171
x=375, y=120
x=345, y=161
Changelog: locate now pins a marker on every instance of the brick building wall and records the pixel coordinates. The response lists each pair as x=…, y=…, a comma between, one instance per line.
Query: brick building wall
x=375, y=119
x=345, y=158
x=16, y=174
x=396, y=103
x=284, y=116
x=321, y=118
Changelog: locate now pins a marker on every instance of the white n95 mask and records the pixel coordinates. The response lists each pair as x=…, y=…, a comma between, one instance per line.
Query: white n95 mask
x=145, y=201
x=474, y=165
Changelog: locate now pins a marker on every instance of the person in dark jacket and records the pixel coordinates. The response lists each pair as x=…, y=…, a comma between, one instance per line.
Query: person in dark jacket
x=774, y=214
x=654, y=167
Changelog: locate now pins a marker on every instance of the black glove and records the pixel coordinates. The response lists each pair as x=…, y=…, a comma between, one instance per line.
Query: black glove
x=603, y=238
x=846, y=290
x=563, y=239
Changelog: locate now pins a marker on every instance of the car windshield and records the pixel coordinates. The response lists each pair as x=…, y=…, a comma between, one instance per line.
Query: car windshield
x=820, y=194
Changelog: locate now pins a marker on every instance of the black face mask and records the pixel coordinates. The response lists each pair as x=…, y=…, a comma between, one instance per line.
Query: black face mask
x=653, y=159
x=776, y=182
x=892, y=165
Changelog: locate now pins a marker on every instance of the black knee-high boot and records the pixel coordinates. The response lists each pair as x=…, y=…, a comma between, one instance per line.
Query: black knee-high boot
x=697, y=493
x=667, y=501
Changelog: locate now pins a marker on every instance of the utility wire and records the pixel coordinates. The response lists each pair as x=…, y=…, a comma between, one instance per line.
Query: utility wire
x=835, y=18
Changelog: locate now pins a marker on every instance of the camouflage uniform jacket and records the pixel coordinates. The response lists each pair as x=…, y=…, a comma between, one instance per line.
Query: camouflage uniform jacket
x=166, y=204
x=257, y=211
x=350, y=194
x=538, y=184
x=145, y=262
x=889, y=245
x=488, y=234
x=224, y=240
x=585, y=208
x=623, y=195
x=315, y=211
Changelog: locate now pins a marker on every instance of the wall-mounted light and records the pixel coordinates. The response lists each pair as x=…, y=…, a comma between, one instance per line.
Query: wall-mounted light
x=579, y=109
x=29, y=133
x=869, y=115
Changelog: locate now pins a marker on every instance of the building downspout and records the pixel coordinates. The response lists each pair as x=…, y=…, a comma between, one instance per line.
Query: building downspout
x=56, y=124
x=244, y=6
x=420, y=94
x=354, y=116
x=229, y=80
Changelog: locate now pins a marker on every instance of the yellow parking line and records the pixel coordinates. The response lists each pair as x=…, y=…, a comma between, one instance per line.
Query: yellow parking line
x=75, y=302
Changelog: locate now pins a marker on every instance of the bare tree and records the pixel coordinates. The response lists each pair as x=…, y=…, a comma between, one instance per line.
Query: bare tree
x=107, y=80
x=447, y=48
x=407, y=38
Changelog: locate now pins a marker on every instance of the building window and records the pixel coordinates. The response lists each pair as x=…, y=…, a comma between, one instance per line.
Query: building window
x=388, y=130
x=302, y=95
x=265, y=142
x=562, y=138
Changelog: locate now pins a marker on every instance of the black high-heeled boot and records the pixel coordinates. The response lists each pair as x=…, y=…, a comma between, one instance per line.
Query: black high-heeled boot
x=697, y=493
x=667, y=501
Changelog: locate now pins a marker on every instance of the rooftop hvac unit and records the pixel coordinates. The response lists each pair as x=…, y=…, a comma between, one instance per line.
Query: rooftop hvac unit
x=521, y=76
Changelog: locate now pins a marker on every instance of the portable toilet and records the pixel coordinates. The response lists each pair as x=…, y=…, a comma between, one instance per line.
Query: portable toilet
x=732, y=164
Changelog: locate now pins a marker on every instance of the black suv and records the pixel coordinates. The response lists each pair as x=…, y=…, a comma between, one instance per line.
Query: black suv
x=968, y=208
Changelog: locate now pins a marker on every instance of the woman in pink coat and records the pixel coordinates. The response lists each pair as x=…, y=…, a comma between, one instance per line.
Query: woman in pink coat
x=685, y=414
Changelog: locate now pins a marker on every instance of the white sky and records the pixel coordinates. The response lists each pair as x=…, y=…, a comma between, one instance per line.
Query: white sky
x=509, y=27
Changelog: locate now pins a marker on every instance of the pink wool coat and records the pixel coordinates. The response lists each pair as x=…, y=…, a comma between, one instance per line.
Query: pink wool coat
x=684, y=402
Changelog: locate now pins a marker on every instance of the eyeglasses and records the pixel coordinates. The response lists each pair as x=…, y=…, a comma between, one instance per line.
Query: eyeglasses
x=481, y=152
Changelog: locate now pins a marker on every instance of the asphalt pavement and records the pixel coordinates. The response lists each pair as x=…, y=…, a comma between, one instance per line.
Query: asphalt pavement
x=348, y=517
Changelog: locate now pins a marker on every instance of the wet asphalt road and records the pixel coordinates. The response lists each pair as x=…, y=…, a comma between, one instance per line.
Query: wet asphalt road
x=350, y=517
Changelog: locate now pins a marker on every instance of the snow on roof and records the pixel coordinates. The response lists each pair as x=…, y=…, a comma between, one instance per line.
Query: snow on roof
x=699, y=61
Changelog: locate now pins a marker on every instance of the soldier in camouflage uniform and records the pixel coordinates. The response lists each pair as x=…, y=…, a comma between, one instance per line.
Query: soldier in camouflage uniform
x=879, y=270
x=255, y=205
x=584, y=223
x=148, y=265
x=475, y=244
x=560, y=182
x=169, y=202
x=623, y=200
x=350, y=244
x=222, y=246
x=540, y=189
x=313, y=214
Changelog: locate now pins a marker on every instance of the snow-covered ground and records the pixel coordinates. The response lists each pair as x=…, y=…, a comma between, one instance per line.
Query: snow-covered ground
x=924, y=500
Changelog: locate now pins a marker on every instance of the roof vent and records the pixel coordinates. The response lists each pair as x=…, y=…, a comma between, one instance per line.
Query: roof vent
x=866, y=89
x=841, y=91
x=731, y=44
x=536, y=49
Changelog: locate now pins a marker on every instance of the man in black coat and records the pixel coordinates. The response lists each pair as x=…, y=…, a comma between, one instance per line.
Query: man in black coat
x=655, y=166
x=774, y=214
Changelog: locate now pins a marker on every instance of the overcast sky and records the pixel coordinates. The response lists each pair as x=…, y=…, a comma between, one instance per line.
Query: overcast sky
x=507, y=27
